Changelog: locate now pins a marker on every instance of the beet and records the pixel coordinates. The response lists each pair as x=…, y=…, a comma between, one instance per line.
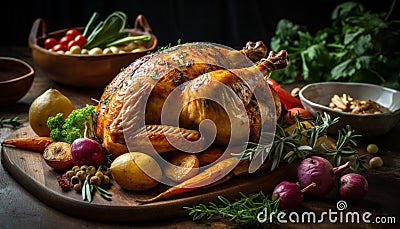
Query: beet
x=353, y=187
x=319, y=170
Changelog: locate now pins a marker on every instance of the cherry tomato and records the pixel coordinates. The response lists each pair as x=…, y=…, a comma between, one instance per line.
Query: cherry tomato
x=72, y=32
x=50, y=42
x=65, y=40
x=80, y=40
x=59, y=47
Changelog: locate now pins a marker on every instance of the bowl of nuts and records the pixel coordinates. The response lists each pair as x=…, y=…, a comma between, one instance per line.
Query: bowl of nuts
x=371, y=110
x=87, y=62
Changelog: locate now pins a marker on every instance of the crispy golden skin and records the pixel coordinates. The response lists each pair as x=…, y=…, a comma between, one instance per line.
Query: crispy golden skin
x=134, y=100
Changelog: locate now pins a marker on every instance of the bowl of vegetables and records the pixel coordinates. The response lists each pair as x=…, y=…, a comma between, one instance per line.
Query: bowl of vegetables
x=371, y=110
x=90, y=56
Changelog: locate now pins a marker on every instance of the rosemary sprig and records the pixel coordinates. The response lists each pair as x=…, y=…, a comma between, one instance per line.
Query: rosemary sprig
x=345, y=149
x=14, y=121
x=290, y=145
x=243, y=211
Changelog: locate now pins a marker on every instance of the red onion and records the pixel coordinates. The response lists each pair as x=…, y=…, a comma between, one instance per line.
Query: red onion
x=86, y=151
x=290, y=195
x=353, y=187
x=319, y=170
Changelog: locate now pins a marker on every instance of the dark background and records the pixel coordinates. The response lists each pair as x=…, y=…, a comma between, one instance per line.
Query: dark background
x=229, y=22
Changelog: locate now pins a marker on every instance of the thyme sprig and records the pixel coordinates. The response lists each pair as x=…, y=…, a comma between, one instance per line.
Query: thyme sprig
x=243, y=211
x=13, y=121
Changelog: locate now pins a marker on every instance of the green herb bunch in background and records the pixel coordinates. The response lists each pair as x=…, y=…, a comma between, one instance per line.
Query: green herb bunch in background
x=359, y=46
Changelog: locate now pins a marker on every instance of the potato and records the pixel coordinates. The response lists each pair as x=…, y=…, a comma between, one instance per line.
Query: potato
x=127, y=171
x=182, y=167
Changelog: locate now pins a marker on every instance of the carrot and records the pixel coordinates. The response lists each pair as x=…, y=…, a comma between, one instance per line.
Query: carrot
x=301, y=113
x=31, y=143
x=208, y=176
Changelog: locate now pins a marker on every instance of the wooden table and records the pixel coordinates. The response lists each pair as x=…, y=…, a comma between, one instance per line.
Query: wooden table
x=19, y=208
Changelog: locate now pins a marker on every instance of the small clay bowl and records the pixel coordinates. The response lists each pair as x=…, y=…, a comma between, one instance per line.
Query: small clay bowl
x=16, y=78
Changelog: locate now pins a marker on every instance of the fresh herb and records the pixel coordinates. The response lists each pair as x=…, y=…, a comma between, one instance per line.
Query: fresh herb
x=345, y=149
x=359, y=46
x=243, y=211
x=305, y=141
x=73, y=127
x=87, y=191
x=14, y=122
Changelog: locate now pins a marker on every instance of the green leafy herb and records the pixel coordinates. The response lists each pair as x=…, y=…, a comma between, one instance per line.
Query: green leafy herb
x=87, y=191
x=73, y=127
x=359, y=46
x=14, y=121
x=243, y=211
x=305, y=141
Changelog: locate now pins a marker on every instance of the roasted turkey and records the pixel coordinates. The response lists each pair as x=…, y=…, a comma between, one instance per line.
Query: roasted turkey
x=166, y=100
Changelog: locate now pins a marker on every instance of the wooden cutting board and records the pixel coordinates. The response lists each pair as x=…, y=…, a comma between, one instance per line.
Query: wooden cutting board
x=31, y=171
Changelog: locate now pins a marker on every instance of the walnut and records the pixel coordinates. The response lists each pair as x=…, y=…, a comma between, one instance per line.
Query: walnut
x=346, y=103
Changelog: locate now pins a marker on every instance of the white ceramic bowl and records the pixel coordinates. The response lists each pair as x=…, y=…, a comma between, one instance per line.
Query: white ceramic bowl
x=316, y=97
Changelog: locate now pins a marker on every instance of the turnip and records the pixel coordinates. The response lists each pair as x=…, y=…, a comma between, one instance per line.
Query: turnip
x=353, y=187
x=290, y=195
x=320, y=171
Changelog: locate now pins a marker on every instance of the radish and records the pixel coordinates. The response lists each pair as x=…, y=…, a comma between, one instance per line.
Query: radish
x=319, y=170
x=353, y=187
x=290, y=195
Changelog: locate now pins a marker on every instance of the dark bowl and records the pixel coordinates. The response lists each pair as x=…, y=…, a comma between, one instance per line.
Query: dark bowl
x=87, y=71
x=16, y=78
x=317, y=96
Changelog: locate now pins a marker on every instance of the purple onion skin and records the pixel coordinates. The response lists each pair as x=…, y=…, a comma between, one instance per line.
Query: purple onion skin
x=319, y=170
x=86, y=151
x=289, y=194
x=353, y=187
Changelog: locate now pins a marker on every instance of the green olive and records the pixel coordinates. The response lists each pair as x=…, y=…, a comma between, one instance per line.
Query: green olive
x=91, y=170
x=70, y=173
x=375, y=162
x=75, y=180
x=77, y=187
x=75, y=49
x=105, y=180
x=75, y=168
x=81, y=175
x=372, y=148
x=84, y=167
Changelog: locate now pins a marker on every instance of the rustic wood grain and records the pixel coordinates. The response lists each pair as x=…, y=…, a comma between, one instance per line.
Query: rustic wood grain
x=30, y=170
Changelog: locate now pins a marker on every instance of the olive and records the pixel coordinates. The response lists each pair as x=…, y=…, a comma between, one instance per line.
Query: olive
x=70, y=173
x=77, y=187
x=91, y=170
x=75, y=180
x=372, y=148
x=105, y=180
x=95, y=180
x=84, y=167
x=99, y=174
x=81, y=175
x=75, y=168
x=375, y=162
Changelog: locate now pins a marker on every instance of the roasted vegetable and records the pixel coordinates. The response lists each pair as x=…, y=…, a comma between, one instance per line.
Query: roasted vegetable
x=32, y=143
